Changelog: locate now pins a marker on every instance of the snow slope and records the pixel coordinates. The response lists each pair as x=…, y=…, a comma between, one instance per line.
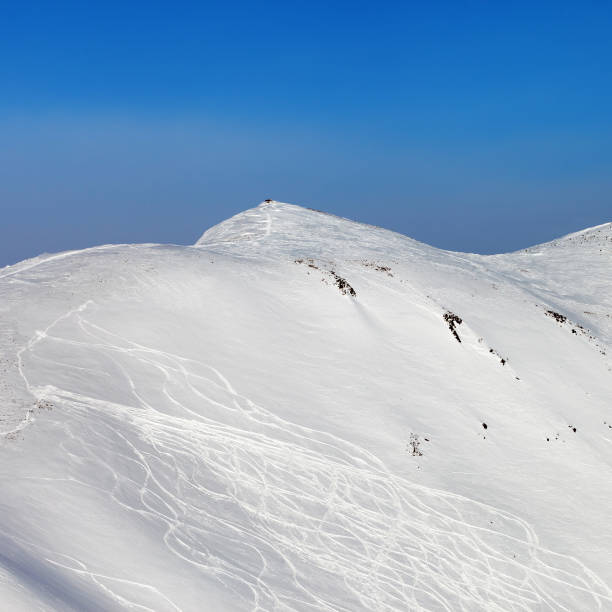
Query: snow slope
x=281, y=417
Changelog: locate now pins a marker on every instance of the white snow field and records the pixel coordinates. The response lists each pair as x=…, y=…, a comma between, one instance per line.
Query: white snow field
x=290, y=415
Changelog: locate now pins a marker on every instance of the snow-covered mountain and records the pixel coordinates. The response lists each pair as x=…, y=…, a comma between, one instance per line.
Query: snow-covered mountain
x=301, y=412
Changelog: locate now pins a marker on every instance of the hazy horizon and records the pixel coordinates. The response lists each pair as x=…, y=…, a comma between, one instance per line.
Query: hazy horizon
x=254, y=204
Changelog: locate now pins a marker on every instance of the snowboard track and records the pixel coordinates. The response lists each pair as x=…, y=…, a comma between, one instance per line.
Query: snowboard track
x=268, y=507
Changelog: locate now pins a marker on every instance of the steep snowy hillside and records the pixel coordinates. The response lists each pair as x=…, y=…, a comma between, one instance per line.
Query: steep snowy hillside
x=301, y=412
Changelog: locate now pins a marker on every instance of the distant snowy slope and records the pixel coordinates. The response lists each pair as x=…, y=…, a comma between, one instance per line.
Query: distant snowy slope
x=301, y=412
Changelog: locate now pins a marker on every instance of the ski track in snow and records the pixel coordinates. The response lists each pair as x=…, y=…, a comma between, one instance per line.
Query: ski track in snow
x=268, y=228
x=38, y=261
x=99, y=580
x=268, y=507
x=37, y=337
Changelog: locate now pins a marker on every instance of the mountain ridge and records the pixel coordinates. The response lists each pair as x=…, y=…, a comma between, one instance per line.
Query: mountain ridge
x=438, y=439
x=259, y=218
x=204, y=238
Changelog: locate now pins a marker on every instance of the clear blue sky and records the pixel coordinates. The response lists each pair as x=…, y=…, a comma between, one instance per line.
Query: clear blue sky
x=472, y=126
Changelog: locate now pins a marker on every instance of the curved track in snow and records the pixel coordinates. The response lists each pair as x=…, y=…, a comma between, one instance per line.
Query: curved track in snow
x=269, y=508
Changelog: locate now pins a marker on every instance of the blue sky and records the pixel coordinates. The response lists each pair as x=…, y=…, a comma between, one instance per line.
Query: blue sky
x=472, y=126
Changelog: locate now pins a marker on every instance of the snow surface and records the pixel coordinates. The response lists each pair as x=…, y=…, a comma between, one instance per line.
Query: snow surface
x=227, y=427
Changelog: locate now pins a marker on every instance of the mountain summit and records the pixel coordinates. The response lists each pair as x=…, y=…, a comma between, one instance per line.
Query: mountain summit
x=301, y=412
x=275, y=228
